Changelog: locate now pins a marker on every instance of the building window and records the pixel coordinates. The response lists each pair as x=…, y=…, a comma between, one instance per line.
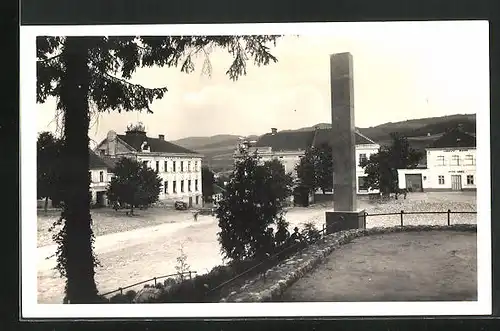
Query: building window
x=145, y=163
x=173, y=166
x=440, y=160
x=182, y=166
x=470, y=180
x=362, y=186
x=441, y=180
x=101, y=176
x=455, y=160
x=165, y=166
x=165, y=187
x=197, y=200
x=189, y=166
x=469, y=159
x=195, y=165
x=90, y=176
x=189, y=185
x=174, y=186
x=157, y=166
x=196, y=185
x=182, y=185
x=362, y=158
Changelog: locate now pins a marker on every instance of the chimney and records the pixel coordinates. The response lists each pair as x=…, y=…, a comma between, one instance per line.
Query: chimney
x=274, y=130
x=161, y=136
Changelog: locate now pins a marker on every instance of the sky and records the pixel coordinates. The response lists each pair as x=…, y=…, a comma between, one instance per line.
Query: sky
x=401, y=71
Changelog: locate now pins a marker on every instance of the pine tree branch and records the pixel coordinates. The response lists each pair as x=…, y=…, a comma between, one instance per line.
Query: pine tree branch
x=49, y=58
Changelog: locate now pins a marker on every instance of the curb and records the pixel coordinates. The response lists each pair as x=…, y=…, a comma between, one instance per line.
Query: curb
x=272, y=284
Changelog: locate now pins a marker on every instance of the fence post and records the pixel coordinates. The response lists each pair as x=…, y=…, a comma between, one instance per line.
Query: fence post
x=155, y=281
x=402, y=212
x=189, y=274
x=121, y=290
x=449, y=212
x=364, y=219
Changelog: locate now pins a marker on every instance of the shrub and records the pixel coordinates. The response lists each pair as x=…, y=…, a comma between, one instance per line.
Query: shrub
x=254, y=200
x=119, y=298
x=130, y=294
x=182, y=267
x=310, y=232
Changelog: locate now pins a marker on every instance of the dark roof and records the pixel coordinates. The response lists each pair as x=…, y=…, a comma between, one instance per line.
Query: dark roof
x=287, y=140
x=110, y=161
x=324, y=136
x=156, y=145
x=96, y=162
x=454, y=138
x=217, y=189
x=295, y=140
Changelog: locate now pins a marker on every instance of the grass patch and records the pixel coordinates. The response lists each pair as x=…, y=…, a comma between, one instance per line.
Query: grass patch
x=400, y=266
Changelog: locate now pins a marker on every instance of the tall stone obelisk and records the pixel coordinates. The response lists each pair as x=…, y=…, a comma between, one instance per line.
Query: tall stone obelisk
x=345, y=214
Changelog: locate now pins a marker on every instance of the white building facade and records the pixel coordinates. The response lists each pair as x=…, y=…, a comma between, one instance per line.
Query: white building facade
x=451, y=166
x=99, y=177
x=178, y=167
x=363, y=152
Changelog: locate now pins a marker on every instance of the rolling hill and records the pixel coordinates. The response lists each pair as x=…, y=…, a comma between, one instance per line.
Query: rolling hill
x=218, y=150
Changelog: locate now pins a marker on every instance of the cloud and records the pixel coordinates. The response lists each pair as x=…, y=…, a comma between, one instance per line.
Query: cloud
x=396, y=68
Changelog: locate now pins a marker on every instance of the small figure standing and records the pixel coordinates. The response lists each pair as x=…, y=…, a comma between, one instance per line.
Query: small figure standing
x=282, y=236
x=195, y=215
x=296, y=236
x=269, y=242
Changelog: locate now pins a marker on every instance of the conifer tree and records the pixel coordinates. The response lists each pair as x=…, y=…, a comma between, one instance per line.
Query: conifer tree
x=81, y=72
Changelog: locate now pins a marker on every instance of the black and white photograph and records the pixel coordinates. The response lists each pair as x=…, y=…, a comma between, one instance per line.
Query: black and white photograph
x=253, y=170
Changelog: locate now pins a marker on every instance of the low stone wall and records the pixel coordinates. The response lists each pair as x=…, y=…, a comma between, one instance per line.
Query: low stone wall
x=272, y=284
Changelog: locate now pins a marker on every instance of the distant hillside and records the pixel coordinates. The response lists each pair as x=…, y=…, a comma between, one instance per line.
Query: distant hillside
x=218, y=150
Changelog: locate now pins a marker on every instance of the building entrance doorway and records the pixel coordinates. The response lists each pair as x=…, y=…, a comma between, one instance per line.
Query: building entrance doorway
x=456, y=182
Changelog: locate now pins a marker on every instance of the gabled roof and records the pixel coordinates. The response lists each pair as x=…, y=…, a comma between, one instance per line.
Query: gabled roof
x=325, y=135
x=287, y=140
x=156, y=145
x=217, y=189
x=110, y=161
x=295, y=140
x=454, y=138
x=96, y=162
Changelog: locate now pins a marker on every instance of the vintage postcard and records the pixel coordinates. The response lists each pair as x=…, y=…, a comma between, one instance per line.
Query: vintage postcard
x=255, y=170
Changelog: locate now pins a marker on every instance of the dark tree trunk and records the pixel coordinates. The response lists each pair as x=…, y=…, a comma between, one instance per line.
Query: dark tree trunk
x=77, y=243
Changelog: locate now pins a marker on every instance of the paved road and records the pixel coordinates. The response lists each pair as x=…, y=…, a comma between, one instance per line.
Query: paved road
x=137, y=255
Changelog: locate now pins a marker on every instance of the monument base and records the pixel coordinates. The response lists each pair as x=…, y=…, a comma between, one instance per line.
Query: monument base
x=345, y=220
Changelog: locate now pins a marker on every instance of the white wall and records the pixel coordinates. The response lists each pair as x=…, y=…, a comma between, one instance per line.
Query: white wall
x=466, y=166
x=96, y=185
x=367, y=150
x=289, y=160
x=426, y=182
x=443, y=162
x=191, y=171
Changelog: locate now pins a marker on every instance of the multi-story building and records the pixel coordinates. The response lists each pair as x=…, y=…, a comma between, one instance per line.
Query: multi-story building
x=451, y=165
x=178, y=167
x=290, y=146
x=100, y=177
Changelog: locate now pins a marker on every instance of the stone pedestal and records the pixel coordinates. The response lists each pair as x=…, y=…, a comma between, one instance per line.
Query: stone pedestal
x=345, y=220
